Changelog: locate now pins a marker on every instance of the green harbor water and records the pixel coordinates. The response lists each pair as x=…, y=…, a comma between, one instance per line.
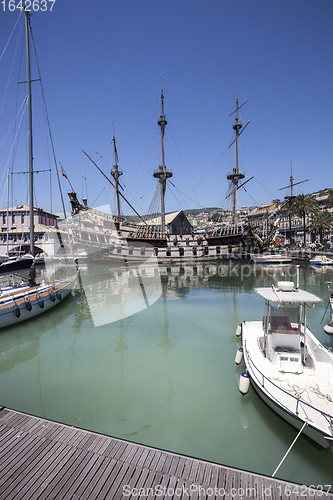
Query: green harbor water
x=149, y=357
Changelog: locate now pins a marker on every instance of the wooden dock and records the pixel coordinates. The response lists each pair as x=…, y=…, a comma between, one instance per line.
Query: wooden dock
x=41, y=459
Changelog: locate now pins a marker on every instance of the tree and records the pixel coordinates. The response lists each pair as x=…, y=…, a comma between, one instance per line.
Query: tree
x=302, y=205
x=320, y=223
x=216, y=217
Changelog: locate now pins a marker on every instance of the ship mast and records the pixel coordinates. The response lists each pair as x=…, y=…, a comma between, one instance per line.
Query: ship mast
x=162, y=174
x=292, y=184
x=116, y=173
x=291, y=197
x=31, y=189
x=236, y=175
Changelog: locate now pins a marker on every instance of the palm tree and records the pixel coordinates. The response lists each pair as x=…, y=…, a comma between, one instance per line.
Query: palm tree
x=321, y=222
x=329, y=200
x=302, y=205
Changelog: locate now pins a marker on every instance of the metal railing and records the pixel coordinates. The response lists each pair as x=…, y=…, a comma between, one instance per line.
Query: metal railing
x=297, y=399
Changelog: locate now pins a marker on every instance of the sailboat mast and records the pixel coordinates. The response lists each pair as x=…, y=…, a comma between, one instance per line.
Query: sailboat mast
x=31, y=187
x=162, y=123
x=116, y=173
x=236, y=174
x=162, y=173
x=291, y=180
x=7, y=215
x=237, y=128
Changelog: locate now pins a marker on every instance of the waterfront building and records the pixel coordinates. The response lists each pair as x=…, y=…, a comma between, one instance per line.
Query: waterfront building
x=175, y=223
x=15, y=230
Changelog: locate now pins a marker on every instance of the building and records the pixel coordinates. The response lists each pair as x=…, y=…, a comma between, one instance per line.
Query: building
x=15, y=230
x=289, y=220
x=262, y=213
x=175, y=223
x=321, y=197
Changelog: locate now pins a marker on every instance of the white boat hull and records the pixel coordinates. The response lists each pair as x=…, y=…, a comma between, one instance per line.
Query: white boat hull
x=316, y=437
x=271, y=259
x=33, y=301
x=281, y=391
x=321, y=261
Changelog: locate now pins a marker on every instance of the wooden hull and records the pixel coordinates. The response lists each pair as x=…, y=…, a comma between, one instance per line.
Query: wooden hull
x=231, y=239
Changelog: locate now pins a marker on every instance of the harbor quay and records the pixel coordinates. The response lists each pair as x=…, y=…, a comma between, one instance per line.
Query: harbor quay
x=42, y=459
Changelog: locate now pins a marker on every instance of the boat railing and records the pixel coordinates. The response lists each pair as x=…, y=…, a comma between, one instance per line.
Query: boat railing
x=297, y=399
x=229, y=230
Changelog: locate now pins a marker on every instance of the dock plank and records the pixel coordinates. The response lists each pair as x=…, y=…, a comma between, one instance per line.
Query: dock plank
x=62, y=475
x=31, y=450
x=115, y=480
x=132, y=482
x=44, y=460
x=69, y=488
x=30, y=485
x=22, y=474
x=89, y=491
x=118, y=495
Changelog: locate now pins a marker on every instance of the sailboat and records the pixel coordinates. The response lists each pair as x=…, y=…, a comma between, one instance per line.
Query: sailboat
x=28, y=300
x=11, y=263
x=110, y=237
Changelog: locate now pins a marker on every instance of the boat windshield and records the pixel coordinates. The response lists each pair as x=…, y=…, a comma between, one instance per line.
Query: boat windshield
x=285, y=319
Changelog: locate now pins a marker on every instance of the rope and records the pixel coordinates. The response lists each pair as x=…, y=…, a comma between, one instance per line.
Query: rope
x=11, y=69
x=10, y=36
x=24, y=102
x=290, y=447
x=185, y=194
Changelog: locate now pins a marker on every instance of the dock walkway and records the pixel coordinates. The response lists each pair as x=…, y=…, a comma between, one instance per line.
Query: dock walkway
x=41, y=459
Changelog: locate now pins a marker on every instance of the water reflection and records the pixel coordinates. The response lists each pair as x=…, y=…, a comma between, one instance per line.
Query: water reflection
x=118, y=292
x=163, y=375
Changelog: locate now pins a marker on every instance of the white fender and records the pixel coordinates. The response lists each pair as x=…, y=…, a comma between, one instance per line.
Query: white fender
x=239, y=330
x=244, y=383
x=329, y=329
x=239, y=356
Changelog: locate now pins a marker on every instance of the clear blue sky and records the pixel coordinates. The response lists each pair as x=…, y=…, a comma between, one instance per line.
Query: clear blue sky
x=101, y=64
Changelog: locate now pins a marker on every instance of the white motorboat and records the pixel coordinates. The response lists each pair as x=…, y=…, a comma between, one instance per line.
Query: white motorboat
x=3, y=258
x=321, y=260
x=81, y=255
x=287, y=366
x=270, y=258
x=40, y=258
x=16, y=263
